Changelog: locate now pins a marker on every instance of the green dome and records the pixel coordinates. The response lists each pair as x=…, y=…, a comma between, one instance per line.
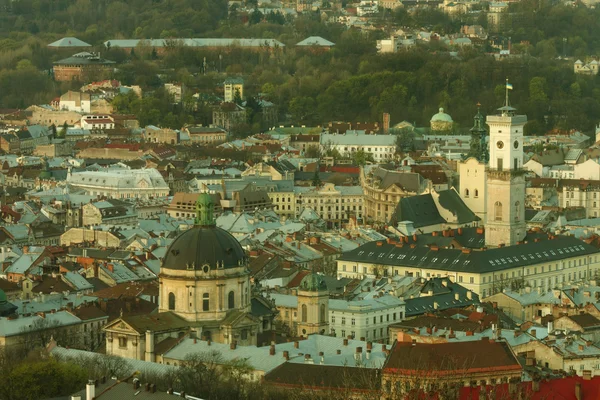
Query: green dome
x=441, y=117
x=3, y=298
x=313, y=283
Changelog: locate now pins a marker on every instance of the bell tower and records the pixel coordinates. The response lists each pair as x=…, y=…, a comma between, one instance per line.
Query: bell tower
x=505, y=219
x=313, y=306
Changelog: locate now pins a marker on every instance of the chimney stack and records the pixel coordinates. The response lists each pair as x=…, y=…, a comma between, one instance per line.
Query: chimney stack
x=345, y=342
x=233, y=345
x=90, y=390
x=272, y=350
x=296, y=344
x=286, y=355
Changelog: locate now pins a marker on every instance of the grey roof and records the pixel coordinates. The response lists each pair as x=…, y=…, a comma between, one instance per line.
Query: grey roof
x=69, y=41
x=498, y=259
x=197, y=42
x=421, y=210
x=443, y=298
x=83, y=58
x=315, y=41
x=354, y=138
x=131, y=364
x=452, y=202
x=409, y=181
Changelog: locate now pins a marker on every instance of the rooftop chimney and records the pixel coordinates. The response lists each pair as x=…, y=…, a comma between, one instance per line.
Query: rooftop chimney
x=233, y=345
x=90, y=390
x=286, y=354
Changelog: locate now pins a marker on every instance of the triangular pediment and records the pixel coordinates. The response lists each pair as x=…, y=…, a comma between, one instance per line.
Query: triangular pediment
x=240, y=320
x=120, y=326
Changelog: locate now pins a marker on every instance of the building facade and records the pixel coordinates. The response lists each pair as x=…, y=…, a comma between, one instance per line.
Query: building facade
x=540, y=263
x=121, y=183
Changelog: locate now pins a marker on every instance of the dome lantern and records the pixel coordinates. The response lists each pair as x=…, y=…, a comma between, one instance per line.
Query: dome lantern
x=205, y=208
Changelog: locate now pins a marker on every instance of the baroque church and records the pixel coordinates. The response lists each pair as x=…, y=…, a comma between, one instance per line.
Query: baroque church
x=205, y=292
x=491, y=179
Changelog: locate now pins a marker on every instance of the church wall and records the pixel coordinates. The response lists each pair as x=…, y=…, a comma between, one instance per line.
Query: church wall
x=189, y=294
x=473, y=186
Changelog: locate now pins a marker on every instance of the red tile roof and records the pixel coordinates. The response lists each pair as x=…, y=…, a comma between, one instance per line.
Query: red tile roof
x=449, y=359
x=297, y=279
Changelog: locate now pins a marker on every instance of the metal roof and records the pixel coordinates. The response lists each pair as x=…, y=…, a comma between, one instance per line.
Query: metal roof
x=498, y=259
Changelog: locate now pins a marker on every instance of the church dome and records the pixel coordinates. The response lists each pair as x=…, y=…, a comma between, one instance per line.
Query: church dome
x=205, y=246
x=441, y=117
x=313, y=283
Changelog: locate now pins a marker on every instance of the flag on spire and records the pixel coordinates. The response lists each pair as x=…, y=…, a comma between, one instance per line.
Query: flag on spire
x=509, y=86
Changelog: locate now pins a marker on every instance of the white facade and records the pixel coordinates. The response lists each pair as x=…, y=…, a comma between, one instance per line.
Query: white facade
x=381, y=147
x=505, y=218
x=97, y=121
x=75, y=101
x=587, y=197
x=561, y=172
x=331, y=203
x=537, y=168
x=367, y=7
x=368, y=319
x=473, y=186
x=589, y=170
x=121, y=183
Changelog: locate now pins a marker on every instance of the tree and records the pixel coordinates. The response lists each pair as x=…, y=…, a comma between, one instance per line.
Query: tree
x=237, y=98
x=361, y=157
x=255, y=17
x=303, y=109
x=63, y=132
x=312, y=152
x=316, y=181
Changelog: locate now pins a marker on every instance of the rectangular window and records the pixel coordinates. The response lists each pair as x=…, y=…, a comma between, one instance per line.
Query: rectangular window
x=353, y=321
x=122, y=342
x=471, y=280
x=343, y=320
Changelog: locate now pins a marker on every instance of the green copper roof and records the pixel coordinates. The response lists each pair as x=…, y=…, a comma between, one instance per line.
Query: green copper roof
x=205, y=208
x=3, y=298
x=441, y=117
x=313, y=283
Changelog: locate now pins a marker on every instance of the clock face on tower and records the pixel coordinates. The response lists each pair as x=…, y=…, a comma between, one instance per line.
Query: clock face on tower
x=516, y=144
x=500, y=144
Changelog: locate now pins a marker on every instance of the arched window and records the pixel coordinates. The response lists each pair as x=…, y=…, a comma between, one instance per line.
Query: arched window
x=323, y=315
x=304, y=313
x=517, y=210
x=171, y=301
x=476, y=193
x=205, y=302
x=466, y=192
x=498, y=211
x=231, y=300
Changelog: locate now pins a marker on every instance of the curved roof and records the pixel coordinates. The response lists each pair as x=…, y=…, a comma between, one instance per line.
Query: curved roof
x=204, y=245
x=313, y=283
x=441, y=117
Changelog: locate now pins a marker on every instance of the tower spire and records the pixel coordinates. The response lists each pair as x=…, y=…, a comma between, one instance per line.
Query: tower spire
x=478, y=144
x=506, y=104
